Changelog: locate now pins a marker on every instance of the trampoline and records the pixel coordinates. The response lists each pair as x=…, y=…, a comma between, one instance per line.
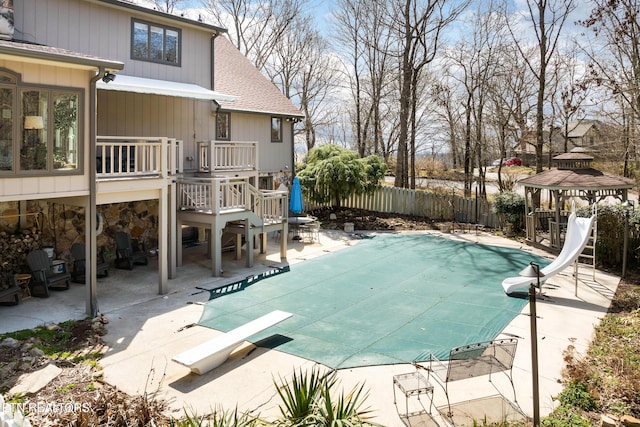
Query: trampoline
x=386, y=300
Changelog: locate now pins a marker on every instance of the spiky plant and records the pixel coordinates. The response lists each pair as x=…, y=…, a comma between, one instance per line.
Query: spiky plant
x=300, y=396
x=218, y=418
x=345, y=410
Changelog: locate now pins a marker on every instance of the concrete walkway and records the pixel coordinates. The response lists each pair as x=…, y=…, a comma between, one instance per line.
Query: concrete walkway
x=145, y=331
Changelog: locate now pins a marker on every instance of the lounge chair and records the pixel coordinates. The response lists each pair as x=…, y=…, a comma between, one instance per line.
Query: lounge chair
x=42, y=276
x=128, y=252
x=79, y=263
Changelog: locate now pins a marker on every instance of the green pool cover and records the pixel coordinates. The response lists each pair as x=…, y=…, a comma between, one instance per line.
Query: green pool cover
x=386, y=300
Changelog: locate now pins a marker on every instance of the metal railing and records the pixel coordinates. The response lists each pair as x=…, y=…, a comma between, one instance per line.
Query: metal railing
x=131, y=157
x=218, y=156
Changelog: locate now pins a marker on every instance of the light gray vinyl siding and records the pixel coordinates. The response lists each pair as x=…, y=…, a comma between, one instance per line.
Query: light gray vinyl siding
x=102, y=30
x=274, y=156
x=189, y=120
x=133, y=114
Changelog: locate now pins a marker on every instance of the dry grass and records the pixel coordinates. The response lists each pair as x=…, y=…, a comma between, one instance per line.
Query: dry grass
x=611, y=368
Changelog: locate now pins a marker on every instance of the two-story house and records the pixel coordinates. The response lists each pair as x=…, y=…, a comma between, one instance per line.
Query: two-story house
x=584, y=134
x=117, y=117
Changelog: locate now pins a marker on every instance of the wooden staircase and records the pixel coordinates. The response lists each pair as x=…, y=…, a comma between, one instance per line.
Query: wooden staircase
x=232, y=205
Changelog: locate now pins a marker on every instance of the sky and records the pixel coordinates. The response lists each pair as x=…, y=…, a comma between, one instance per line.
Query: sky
x=320, y=9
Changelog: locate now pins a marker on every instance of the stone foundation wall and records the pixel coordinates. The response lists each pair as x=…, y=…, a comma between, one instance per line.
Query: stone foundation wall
x=45, y=223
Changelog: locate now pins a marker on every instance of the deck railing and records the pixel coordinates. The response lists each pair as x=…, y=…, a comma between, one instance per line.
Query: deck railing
x=217, y=156
x=270, y=205
x=131, y=157
x=220, y=195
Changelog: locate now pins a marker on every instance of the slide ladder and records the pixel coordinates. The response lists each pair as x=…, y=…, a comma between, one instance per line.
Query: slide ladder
x=580, y=231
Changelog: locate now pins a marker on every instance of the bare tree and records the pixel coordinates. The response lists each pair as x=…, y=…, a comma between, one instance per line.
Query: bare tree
x=474, y=62
x=418, y=26
x=351, y=22
x=571, y=94
x=616, y=66
x=547, y=18
x=306, y=71
x=449, y=115
x=255, y=26
x=167, y=6
x=512, y=98
x=364, y=40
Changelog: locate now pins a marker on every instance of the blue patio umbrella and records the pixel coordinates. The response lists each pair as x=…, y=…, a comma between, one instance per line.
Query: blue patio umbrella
x=295, y=203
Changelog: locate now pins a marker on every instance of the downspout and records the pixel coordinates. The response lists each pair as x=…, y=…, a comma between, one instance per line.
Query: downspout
x=293, y=150
x=91, y=211
x=213, y=57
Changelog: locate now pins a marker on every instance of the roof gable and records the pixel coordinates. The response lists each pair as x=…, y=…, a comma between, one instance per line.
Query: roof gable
x=580, y=129
x=235, y=75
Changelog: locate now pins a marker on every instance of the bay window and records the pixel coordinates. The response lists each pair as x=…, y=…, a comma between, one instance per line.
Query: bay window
x=39, y=128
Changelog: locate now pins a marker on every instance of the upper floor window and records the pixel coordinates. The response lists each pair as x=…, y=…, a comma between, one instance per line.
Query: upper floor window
x=156, y=43
x=223, y=126
x=276, y=129
x=39, y=128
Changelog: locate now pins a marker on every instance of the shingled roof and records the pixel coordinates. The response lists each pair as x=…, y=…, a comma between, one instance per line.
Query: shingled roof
x=579, y=177
x=236, y=75
x=580, y=129
x=56, y=55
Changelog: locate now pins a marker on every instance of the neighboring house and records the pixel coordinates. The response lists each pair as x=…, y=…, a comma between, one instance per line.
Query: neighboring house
x=584, y=134
x=110, y=107
x=525, y=149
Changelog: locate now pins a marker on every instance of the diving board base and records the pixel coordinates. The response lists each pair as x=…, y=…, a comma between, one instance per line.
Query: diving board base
x=213, y=353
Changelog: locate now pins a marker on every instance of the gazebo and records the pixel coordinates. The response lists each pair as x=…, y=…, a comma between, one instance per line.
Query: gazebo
x=574, y=177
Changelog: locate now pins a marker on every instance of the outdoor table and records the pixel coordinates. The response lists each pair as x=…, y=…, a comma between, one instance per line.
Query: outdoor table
x=411, y=384
x=296, y=221
x=22, y=280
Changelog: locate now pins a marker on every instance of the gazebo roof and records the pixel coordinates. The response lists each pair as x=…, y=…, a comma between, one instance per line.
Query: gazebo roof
x=575, y=173
x=587, y=179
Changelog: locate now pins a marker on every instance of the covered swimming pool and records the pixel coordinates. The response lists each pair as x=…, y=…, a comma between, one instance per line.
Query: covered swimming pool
x=389, y=299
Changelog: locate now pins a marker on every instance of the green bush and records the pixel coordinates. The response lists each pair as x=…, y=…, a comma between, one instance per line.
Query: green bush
x=333, y=173
x=564, y=416
x=575, y=394
x=609, y=243
x=510, y=207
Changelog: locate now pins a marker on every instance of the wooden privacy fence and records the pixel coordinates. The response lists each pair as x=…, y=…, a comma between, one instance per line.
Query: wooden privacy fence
x=421, y=203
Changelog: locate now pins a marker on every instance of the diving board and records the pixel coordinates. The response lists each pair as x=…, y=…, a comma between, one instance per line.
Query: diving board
x=577, y=237
x=213, y=353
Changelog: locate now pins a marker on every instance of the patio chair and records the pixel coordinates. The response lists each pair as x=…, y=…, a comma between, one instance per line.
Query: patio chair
x=310, y=231
x=42, y=276
x=79, y=263
x=482, y=222
x=128, y=252
x=462, y=221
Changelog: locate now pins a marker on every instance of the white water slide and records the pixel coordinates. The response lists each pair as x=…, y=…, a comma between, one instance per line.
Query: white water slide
x=576, y=238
